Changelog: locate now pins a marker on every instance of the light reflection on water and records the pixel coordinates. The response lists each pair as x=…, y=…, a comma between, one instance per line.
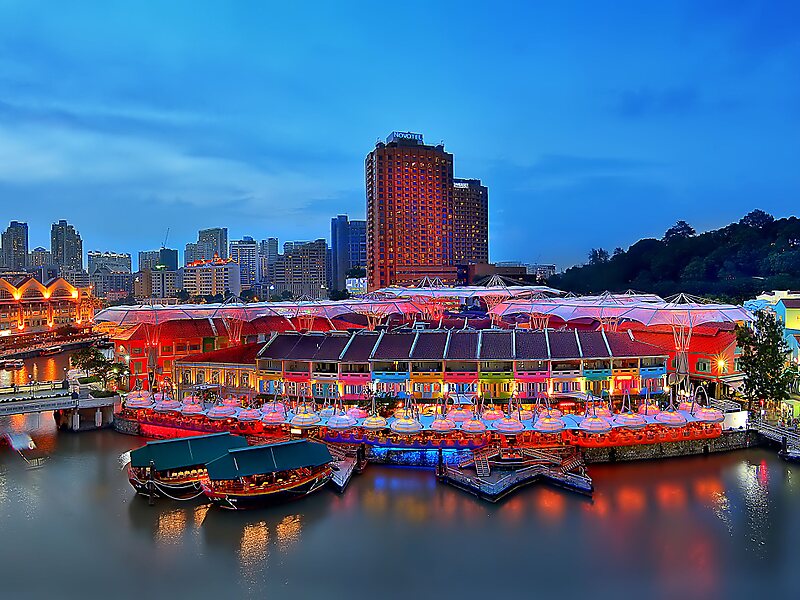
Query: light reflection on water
x=700, y=527
x=41, y=368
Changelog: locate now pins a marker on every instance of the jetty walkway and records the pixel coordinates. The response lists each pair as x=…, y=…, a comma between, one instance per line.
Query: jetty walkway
x=788, y=438
x=492, y=473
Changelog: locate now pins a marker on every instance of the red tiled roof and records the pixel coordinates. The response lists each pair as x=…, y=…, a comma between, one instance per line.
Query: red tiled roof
x=394, y=346
x=701, y=343
x=593, y=345
x=563, y=344
x=331, y=347
x=235, y=355
x=621, y=344
x=430, y=345
x=531, y=345
x=496, y=345
x=463, y=345
x=361, y=346
x=131, y=333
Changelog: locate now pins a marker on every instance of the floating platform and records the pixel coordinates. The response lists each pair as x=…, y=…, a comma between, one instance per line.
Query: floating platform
x=492, y=474
x=348, y=460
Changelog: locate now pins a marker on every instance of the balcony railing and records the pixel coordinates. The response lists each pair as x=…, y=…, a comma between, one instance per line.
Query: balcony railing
x=597, y=374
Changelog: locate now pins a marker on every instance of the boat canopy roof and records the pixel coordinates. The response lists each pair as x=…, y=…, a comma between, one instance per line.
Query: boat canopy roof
x=185, y=452
x=258, y=460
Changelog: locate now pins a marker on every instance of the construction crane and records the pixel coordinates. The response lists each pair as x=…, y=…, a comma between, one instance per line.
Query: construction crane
x=164, y=245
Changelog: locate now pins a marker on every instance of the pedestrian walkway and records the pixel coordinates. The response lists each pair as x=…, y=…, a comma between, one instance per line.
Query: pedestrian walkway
x=38, y=389
x=776, y=433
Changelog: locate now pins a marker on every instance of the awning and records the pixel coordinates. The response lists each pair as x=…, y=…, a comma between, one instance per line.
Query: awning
x=185, y=452
x=259, y=460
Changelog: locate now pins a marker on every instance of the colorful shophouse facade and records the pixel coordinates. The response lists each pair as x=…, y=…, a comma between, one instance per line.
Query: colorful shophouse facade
x=425, y=365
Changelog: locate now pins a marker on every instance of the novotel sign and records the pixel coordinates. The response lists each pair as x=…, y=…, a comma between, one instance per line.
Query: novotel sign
x=404, y=135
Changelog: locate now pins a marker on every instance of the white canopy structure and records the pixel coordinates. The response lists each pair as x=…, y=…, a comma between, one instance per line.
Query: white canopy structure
x=682, y=313
x=306, y=311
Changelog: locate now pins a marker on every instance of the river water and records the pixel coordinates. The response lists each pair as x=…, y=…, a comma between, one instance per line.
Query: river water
x=705, y=527
x=41, y=368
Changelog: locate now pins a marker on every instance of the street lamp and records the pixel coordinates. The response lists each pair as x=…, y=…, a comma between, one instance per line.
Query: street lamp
x=722, y=365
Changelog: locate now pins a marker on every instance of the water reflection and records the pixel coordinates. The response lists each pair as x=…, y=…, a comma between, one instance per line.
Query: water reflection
x=170, y=527
x=40, y=368
x=698, y=527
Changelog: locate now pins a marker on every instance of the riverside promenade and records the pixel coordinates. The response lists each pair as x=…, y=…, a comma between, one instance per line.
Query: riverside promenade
x=74, y=406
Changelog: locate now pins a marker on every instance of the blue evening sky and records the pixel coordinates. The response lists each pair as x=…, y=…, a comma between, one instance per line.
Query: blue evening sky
x=593, y=123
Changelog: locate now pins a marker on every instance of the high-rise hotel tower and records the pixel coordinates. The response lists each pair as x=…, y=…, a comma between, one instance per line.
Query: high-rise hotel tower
x=409, y=211
x=470, y=222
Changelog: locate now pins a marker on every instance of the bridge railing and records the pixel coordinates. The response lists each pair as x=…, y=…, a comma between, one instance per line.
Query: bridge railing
x=776, y=432
x=39, y=386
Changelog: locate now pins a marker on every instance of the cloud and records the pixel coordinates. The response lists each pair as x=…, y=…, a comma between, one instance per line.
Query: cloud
x=559, y=170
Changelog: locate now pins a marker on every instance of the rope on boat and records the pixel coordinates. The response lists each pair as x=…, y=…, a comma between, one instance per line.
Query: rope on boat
x=159, y=488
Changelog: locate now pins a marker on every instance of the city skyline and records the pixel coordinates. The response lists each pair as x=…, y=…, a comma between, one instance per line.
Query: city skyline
x=558, y=118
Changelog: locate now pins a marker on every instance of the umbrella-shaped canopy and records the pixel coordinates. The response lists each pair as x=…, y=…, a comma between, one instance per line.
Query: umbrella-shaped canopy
x=374, y=422
x=192, y=410
x=549, y=425
x=630, y=420
x=249, y=414
x=508, y=425
x=341, y=420
x=138, y=402
x=273, y=417
x=222, y=411
x=168, y=406
x=473, y=425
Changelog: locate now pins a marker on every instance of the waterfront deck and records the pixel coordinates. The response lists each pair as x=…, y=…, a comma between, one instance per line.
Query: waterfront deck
x=492, y=474
x=348, y=460
x=790, y=438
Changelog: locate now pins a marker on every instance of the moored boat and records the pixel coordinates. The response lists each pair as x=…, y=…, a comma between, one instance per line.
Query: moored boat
x=261, y=475
x=174, y=468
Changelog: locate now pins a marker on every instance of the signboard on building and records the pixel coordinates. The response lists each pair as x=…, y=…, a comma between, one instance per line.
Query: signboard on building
x=404, y=135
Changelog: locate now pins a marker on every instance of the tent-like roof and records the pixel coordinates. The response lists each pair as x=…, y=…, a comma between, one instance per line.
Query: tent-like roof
x=680, y=311
x=272, y=458
x=185, y=452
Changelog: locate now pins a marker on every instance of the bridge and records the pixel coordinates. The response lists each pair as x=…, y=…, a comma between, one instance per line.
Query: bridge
x=65, y=401
x=74, y=409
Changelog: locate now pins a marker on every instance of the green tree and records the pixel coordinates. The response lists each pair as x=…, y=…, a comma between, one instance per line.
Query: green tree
x=86, y=358
x=356, y=272
x=598, y=256
x=681, y=230
x=764, y=360
x=757, y=218
x=109, y=371
x=338, y=295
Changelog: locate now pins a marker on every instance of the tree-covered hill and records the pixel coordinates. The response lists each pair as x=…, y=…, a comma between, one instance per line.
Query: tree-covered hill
x=732, y=263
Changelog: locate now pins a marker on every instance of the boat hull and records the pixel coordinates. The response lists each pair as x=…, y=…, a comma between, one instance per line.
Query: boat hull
x=184, y=490
x=251, y=500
